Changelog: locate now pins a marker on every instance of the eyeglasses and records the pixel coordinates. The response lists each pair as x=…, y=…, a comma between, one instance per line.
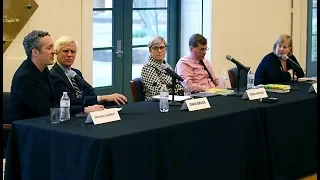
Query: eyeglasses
x=204, y=49
x=155, y=48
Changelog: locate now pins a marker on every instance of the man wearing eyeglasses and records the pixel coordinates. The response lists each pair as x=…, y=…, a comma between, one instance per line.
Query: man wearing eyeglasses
x=194, y=68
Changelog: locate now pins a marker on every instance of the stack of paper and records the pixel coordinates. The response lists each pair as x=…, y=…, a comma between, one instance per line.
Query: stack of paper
x=220, y=91
x=308, y=79
x=278, y=88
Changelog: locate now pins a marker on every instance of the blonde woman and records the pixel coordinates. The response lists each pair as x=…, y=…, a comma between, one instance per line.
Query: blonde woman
x=274, y=69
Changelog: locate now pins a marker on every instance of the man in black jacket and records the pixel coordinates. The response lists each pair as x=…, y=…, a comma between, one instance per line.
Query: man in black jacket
x=31, y=89
x=70, y=80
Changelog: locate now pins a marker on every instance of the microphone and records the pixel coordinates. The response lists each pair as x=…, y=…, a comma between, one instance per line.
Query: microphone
x=74, y=75
x=172, y=73
x=239, y=65
x=292, y=62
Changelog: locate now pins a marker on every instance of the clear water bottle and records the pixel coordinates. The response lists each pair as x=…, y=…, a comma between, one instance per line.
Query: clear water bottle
x=223, y=79
x=164, y=99
x=250, y=79
x=64, y=107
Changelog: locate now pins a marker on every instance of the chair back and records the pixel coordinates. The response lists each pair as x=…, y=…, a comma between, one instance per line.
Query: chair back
x=233, y=72
x=137, y=89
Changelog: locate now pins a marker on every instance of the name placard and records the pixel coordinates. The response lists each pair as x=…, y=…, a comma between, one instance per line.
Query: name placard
x=195, y=104
x=254, y=94
x=104, y=116
x=313, y=88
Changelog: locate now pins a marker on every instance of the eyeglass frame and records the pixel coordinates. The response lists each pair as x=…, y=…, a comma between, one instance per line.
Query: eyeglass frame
x=202, y=49
x=156, y=48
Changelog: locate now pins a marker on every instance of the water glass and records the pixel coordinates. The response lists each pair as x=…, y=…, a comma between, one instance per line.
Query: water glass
x=54, y=115
x=187, y=91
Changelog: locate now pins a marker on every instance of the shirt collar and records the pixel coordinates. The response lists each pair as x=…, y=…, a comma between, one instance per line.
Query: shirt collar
x=154, y=61
x=65, y=70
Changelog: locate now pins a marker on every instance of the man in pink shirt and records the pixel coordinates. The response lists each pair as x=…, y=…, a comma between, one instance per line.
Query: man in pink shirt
x=195, y=69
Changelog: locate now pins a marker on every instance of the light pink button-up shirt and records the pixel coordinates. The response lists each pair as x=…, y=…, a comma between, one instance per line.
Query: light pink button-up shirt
x=194, y=74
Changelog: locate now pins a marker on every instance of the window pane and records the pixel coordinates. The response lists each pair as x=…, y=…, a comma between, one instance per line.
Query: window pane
x=314, y=21
x=102, y=3
x=140, y=56
x=147, y=24
x=102, y=68
x=102, y=28
x=314, y=49
x=149, y=3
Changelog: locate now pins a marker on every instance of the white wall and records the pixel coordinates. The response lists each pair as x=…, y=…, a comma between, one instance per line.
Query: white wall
x=61, y=17
x=245, y=29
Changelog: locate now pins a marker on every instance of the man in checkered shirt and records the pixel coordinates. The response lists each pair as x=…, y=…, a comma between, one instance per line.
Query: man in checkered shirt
x=152, y=76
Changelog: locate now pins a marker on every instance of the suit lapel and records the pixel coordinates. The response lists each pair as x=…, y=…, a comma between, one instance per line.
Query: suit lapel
x=62, y=75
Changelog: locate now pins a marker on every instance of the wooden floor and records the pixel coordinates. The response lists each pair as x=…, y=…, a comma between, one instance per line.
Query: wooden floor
x=313, y=177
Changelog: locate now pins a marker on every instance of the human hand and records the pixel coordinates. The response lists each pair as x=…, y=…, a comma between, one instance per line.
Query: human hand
x=93, y=108
x=117, y=98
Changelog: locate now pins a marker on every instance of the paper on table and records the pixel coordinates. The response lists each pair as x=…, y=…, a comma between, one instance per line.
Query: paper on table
x=303, y=79
x=176, y=98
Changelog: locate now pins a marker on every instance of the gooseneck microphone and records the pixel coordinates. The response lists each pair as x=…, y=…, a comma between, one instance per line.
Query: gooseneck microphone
x=237, y=63
x=74, y=75
x=292, y=62
x=172, y=73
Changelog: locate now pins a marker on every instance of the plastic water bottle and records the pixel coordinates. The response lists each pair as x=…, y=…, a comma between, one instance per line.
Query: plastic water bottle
x=64, y=107
x=164, y=99
x=250, y=79
x=223, y=79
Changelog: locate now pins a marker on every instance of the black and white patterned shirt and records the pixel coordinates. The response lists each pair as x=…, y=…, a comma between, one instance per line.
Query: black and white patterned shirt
x=153, y=77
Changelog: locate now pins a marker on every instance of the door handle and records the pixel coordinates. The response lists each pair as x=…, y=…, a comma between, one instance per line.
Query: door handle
x=119, y=51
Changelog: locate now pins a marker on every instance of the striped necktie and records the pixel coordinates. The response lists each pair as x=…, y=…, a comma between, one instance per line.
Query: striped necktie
x=76, y=88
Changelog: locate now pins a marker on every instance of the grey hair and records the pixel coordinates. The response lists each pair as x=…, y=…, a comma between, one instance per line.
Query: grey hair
x=32, y=40
x=63, y=40
x=157, y=40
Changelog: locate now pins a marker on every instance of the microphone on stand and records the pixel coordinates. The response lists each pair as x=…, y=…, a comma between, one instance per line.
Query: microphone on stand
x=292, y=62
x=174, y=77
x=172, y=73
x=294, y=65
x=237, y=63
x=239, y=67
x=74, y=75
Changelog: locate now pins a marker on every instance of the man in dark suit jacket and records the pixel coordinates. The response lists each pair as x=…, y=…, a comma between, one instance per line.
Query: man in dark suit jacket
x=70, y=80
x=31, y=89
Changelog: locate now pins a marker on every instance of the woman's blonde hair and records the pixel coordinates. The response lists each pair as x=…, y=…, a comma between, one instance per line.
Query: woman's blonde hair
x=282, y=39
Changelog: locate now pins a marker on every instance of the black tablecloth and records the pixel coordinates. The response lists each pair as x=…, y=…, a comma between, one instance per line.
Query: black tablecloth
x=235, y=139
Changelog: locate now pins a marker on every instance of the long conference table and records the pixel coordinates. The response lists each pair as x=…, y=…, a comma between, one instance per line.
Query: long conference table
x=235, y=139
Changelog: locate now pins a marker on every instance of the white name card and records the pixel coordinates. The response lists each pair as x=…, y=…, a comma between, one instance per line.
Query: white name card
x=103, y=116
x=313, y=88
x=195, y=104
x=254, y=94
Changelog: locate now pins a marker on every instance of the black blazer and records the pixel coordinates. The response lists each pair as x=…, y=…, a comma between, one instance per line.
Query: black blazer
x=62, y=84
x=270, y=70
x=31, y=94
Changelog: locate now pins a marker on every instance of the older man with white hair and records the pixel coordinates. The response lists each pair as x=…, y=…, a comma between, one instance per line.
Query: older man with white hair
x=70, y=80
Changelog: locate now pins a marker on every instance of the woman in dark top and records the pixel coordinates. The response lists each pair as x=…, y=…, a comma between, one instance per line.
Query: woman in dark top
x=274, y=69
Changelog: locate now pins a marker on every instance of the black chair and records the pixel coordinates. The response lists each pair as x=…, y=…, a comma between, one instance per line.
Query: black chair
x=137, y=89
x=233, y=72
x=5, y=119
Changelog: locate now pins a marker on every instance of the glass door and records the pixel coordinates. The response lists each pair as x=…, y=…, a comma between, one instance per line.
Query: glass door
x=312, y=39
x=107, y=18
x=121, y=32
